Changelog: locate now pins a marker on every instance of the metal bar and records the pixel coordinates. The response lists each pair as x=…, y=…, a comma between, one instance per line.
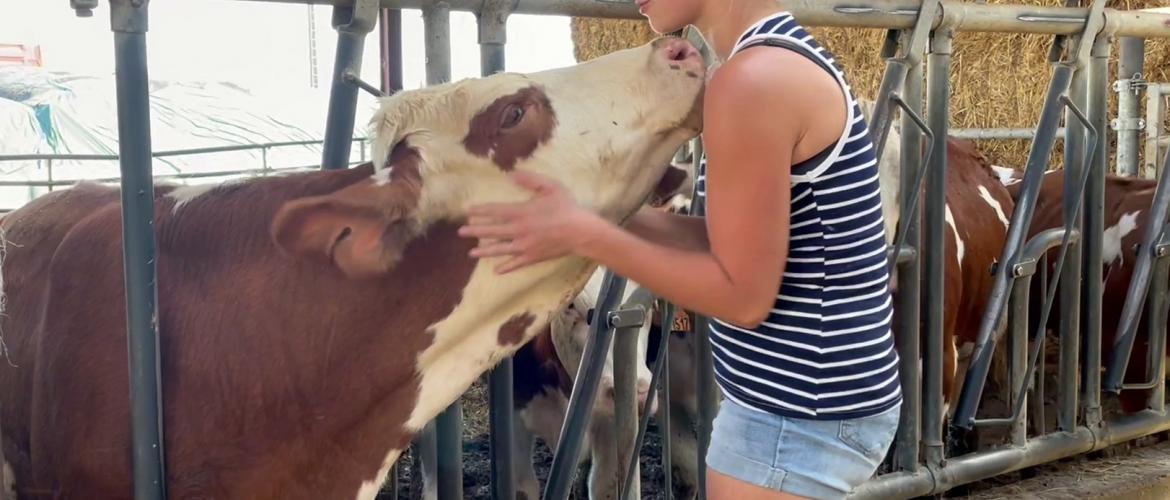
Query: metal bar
x=625, y=394
x=975, y=467
x=351, y=78
x=390, y=45
x=897, y=68
x=1067, y=388
x=1139, y=285
x=129, y=22
x=1038, y=156
x=1156, y=364
x=353, y=23
x=1018, y=379
x=1128, y=121
x=631, y=459
x=162, y=154
x=938, y=63
x=1000, y=133
x=49, y=173
x=492, y=27
x=707, y=396
x=1094, y=228
x=427, y=444
x=437, y=42
x=437, y=47
x=578, y=415
x=886, y=14
x=1153, y=131
x=910, y=431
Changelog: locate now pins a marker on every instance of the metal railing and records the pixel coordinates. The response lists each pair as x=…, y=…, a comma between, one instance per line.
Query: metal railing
x=1076, y=89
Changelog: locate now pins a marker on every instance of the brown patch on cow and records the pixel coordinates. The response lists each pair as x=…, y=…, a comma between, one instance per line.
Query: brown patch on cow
x=361, y=229
x=543, y=371
x=668, y=186
x=512, y=331
x=512, y=127
x=283, y=378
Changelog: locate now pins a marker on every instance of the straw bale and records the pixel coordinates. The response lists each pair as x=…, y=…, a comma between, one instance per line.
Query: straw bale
x=997, y=79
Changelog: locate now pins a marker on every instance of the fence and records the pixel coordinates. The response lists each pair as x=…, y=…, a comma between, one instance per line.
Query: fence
x=1077, y=89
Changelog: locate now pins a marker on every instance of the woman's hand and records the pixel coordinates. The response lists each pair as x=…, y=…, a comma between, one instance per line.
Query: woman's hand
x=548, y=226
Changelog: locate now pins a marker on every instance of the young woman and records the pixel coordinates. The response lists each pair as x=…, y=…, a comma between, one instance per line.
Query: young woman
x=790, y=261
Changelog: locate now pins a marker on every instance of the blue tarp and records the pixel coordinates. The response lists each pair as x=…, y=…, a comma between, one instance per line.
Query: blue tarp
x=53, y=112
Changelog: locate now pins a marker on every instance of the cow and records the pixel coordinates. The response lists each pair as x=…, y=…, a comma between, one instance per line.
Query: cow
x=1127, y=205
x=976, y=214
x=310, y=324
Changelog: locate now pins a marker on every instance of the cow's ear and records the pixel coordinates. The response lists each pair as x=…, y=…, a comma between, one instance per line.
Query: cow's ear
x=669, y=185
x=362, y=229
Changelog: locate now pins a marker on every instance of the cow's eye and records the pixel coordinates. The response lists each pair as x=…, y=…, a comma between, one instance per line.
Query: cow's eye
x=512, y=116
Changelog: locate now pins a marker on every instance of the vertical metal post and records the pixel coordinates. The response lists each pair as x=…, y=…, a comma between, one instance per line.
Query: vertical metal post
x=1128, y=121
x=426, y=445
x=1018, y=348
x=437, y=42
x=707, y=396
x=1094, y=227
x=1067, y=389
x=352, y=25
x=909, y=345
x=625, y=379
x=938, y=64
x=1156, y=314
x=390, y=45
x=492, y=22
x=129, y=22
x=578, y=416
x=49, y=172
x=664, y=403
x=1153, y=131
x=437, y=46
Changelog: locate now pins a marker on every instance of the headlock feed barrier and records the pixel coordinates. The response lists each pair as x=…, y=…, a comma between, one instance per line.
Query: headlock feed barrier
x=918, y=464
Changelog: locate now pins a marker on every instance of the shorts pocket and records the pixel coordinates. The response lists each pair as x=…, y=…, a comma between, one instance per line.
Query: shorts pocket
x=871, y=436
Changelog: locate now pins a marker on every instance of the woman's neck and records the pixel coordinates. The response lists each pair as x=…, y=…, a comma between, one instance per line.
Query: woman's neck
x=722, y=23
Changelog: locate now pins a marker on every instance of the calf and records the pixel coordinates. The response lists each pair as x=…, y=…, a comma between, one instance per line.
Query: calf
x=310, y=324
x=1127, y=204
x=977, y=210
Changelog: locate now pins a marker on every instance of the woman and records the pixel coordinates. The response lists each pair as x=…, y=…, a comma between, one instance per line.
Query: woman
x=790, y=261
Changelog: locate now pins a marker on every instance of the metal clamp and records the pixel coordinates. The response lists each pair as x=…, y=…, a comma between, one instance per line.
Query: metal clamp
x=630, y=317
x=362, y=19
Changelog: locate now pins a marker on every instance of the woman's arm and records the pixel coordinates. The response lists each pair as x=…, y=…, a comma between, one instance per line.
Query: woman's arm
x=681, y=231
x=751, y=130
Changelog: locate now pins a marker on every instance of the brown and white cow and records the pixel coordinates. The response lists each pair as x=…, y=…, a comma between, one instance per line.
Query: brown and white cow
x=977, y=210
x=311, y=324
x=1127, y=205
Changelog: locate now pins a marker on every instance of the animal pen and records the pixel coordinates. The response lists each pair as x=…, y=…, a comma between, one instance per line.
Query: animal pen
x=918, y=44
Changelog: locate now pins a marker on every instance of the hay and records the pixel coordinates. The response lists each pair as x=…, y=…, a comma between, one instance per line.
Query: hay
x=997, y=79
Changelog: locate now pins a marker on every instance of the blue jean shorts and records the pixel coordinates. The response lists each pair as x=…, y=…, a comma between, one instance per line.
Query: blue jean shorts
x=822, y=459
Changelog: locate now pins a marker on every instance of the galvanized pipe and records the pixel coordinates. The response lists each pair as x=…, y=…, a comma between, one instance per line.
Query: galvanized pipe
x=426, y=444
x=910, y=431
x=938, y=63
x=1156, y=366
x=886, y=14
x=632, y=316
x=1038, y=156
x=449, y=424
x=352, y=23
x=390, y=38
x=1070, y=273
x=1000, y=133
x=492, y=24
x=129, y=22
x=1018, y=349
x=896, y=70
x=1128, y=86
x=1154, y=114
x=578, y=415
x=1094, y=229
x=1139, y=285
x=656, y=373
x=707, y=395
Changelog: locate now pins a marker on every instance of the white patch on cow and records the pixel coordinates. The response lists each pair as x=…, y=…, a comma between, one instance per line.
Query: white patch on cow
x=382, y=176
x=1113, y=235
x=959, y=247
x=986, y=195
x=1007, y=176
x=369, y=489
x=184, y=194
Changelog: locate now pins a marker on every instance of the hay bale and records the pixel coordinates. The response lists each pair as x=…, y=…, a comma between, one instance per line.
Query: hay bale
x=997, y=79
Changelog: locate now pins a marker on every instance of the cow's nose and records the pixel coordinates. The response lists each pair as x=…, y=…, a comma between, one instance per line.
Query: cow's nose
x=680, y=54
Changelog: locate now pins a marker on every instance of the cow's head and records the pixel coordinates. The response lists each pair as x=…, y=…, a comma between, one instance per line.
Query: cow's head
x=572, y=328
x=606, y=129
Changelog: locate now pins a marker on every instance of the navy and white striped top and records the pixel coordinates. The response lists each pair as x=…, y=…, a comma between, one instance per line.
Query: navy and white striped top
x=826, y=351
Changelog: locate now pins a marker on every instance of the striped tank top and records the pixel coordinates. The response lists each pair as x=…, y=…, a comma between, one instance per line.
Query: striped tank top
x=826, y=351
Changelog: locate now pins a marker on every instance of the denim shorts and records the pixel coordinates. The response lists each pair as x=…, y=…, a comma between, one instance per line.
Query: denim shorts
x=822, y=459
